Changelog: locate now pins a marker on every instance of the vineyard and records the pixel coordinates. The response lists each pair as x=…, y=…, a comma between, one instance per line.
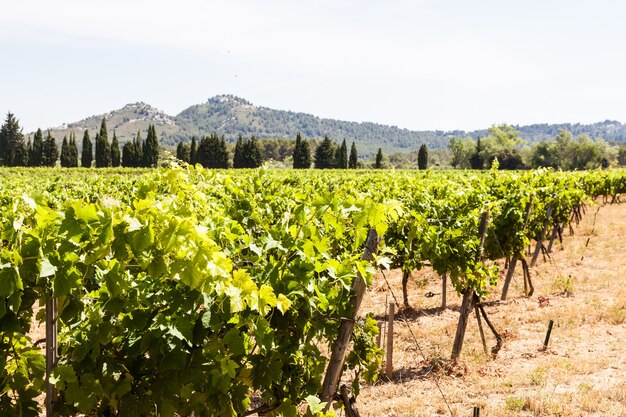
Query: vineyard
x=186, y=291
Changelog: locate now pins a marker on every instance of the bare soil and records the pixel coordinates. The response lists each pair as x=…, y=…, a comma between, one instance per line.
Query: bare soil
x=583, y=371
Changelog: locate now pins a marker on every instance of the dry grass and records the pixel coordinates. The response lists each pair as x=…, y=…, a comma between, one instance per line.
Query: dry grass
x=583, y=372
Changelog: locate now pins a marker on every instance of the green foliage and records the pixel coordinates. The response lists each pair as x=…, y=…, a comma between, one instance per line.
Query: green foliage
x=182, y=152
x=151, y=149
x=238, y=154
x=186, y=291
x=193, y=148
x=352, y=162
x=301, y=153
x=212, y=152
x=13, y=150
x=103, y=148
x=251, y=154
x=50, y=152
x=341, y=156
x=379, y=159
x=87, y=152
x=73, y=151
x=36, y=150
x=325, y=154
x=476, y=160
x=115, y=152
x=422, y=157
x=462, y=150
x=65, y=153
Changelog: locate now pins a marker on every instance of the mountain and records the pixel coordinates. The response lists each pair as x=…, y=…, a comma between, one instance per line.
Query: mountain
x=125, y=122
x=230, y=116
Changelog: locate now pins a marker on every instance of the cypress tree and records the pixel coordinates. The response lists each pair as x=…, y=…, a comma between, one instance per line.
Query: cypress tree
x=252, y=156
x=5, y=150
x=343, y=156
x=325, y=154
x=182, y=152
x=128, y=154
x=115, y=152
x=103, y=149
x=305, y=155
x=238, y=155
x=337, y=157
x=301, y=153
x=138, y=151
x=422, y=157
x=212, y=152
x=50, y=152
x=297, y=152
x=193, y=150
x=87, y=154
x=379, y=159
x=151, y=149
x=65, y=153
x=476, y=160
x=73, y=151
x=29, y=150
x=13, y=151
x=34, y=158
x=352, y=162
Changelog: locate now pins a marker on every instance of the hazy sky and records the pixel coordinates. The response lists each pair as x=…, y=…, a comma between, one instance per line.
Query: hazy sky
x=439, y=64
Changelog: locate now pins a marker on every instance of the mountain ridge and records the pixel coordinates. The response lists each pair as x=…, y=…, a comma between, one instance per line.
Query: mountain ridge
x=230, y=116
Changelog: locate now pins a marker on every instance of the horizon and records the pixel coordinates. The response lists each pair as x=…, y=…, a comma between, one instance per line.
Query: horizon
x=419, y=65
x=63, y=125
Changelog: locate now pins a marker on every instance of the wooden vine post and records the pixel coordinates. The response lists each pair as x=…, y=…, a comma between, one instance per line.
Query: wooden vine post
x=52, y=351
x=511, y=270
x=335, y=364
x=468, y=295
x=389, y=361
x=444, y=291
x=543, y=235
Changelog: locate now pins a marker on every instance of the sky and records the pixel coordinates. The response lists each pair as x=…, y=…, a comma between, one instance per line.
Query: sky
x=420, y=65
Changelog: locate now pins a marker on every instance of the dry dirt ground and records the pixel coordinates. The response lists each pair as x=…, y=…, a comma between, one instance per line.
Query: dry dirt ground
x=583, y=372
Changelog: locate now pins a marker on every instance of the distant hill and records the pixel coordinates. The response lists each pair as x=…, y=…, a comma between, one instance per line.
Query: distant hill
x=230, y=116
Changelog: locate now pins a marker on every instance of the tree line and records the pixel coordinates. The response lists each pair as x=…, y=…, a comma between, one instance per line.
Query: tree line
x=213, y=152
x=504, y=143
x=44, y=152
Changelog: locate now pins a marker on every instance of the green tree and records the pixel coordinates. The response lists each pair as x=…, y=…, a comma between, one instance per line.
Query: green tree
x=621, y=158
x=252, y=156
x=379, y=159
x=151, y=149
x=462, y=150
x=87, y=153
x=422, y=157
x=476, y=160
x=238, y=153
x=341, y=156
x=193, y=149
x=73, y=151
x=65, y=153
x=301, y=153
x=212, y=152
x=182, y=152
x=325, y=154
x=103, y=148
x=352, y=162
x=115, y=152
x=13, y=151
x=50, y=152
x=544, y=154
x=34, y=158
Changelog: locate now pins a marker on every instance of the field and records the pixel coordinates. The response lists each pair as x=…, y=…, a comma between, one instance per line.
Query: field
x=583, y=373
x=186, y=291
